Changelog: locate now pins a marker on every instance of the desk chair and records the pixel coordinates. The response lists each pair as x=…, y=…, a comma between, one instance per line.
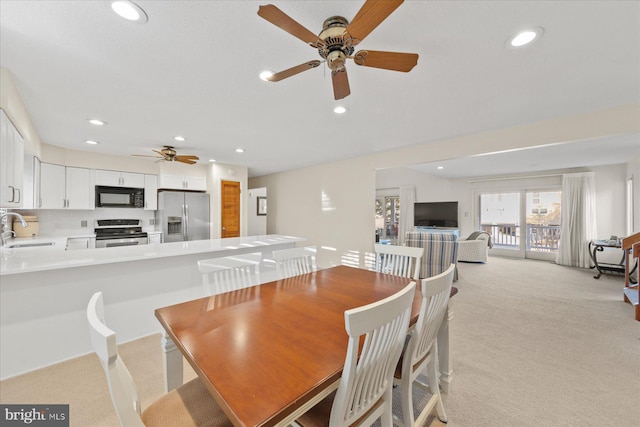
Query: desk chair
x=190, y=405
x=295, y=261
x=398, y=260
x=225, y=274
x=421, y=351
x=365, y=391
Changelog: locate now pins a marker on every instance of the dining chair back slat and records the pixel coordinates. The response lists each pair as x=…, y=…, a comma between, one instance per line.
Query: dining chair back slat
x=295, y=261
x=226, y=274
x=398, y=260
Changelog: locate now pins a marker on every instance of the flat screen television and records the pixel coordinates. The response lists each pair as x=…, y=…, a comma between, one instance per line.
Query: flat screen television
x=435, y=214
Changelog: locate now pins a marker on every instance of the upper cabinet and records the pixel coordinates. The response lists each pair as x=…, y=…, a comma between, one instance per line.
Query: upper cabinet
x=66, y=187
x=31, y=187
x=119, y=179
x=151, y=192
x=180, y=182
x=11, y=164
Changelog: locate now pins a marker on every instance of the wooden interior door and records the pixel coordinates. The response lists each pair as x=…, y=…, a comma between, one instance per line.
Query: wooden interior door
x=230, y=223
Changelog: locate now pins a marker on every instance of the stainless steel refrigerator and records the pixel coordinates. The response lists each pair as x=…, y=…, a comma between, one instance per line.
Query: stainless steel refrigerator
x=183, y=215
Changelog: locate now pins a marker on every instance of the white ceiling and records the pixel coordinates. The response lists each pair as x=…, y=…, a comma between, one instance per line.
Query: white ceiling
x=193, y=68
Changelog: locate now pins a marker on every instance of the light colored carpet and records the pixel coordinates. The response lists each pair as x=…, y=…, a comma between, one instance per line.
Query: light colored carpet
x=534, y=344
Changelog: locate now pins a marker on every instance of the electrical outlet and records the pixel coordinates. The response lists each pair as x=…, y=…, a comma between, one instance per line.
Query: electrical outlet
x=83, y=223
x=152, y=222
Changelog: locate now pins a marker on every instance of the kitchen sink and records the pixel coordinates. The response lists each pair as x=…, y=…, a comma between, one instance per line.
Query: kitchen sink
x=30, y=245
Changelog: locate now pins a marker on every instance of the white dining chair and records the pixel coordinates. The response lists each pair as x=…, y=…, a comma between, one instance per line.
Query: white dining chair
x=398, y=260
x=189, y=405
x=225, y=274
x=295, y=261
x=421, y=352
x=364, y=394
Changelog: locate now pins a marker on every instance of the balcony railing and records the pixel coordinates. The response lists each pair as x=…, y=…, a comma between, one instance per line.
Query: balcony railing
x=540, y=238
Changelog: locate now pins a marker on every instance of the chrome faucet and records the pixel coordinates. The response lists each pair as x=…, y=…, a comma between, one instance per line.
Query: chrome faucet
x=8, y=234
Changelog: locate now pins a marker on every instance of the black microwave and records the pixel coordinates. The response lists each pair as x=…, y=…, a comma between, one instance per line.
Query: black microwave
x=119, y=197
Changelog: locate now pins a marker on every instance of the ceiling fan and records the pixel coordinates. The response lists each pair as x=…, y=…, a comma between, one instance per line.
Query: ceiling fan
x=336, y=42
x=170, y=155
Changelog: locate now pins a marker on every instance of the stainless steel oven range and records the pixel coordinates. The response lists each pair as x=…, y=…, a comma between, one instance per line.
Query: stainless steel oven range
x=119, y=232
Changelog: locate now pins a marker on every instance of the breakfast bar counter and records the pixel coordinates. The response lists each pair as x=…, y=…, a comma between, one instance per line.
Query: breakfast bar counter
x=44, y=292
x=43, y=258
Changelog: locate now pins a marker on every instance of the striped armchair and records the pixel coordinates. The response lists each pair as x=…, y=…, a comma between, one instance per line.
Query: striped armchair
x=440, y=251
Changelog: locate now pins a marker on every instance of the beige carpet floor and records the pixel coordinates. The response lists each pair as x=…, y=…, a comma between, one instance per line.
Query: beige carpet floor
x=534, y=344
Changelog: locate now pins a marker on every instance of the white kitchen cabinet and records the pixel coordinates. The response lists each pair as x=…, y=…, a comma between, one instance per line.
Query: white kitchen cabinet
x=66, y=187
x=31, y=183
x=75, y=243
x=182, y=182
x=154, y=237
x=119, y=179
x=151, y=192
x=11, y=164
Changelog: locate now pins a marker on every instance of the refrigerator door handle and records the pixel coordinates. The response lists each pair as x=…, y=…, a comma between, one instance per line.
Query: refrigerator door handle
x=186, y=221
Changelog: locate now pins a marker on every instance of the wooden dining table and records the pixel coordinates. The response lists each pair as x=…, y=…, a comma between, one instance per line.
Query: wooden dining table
x=268, y=353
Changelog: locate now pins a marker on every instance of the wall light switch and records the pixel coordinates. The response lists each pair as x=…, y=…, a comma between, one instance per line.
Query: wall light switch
x=152, y=221
x=83, y=223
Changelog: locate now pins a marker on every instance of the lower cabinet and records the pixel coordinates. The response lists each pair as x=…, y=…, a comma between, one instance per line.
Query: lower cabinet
x=75, y=243
x=154, y=237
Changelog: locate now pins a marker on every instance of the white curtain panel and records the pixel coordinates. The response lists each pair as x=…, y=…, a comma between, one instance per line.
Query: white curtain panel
x=578, y=219
x=407, y=199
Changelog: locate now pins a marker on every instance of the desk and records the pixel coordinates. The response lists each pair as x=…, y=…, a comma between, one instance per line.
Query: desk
x=596, y=246
x=268, y=353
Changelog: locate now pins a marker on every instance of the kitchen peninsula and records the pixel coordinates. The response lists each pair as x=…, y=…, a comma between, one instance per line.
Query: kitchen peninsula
x=44, y=293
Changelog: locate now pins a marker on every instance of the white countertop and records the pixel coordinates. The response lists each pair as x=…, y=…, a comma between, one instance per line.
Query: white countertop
x=25, y=260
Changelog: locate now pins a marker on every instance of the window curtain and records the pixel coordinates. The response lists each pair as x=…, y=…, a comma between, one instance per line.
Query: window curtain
x=407, y=199
x=578, y=219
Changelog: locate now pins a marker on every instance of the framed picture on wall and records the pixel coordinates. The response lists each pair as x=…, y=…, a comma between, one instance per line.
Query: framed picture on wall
x=262, y=205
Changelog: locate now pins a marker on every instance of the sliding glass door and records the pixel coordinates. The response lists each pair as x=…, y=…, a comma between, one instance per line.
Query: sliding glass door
x=522, y=223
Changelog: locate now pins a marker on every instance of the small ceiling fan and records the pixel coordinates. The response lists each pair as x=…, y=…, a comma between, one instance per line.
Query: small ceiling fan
x=170, y=155
x=336, y=42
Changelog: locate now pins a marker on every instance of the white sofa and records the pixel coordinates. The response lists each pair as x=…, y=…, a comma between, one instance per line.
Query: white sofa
x=476, y=250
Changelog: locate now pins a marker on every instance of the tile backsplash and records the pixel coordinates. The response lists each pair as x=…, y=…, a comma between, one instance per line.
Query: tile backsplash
x=61, y=222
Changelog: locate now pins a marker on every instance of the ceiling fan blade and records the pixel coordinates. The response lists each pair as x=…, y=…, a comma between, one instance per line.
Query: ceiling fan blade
x=144, y=155
x=370, y=15
x=340, y=84
x=395, y=61
x=187, y=157
x=280, y=19
x=294, y=70
x=187, y=161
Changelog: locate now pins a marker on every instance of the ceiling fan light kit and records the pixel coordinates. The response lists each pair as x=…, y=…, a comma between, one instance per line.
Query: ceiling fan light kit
x=336, y=42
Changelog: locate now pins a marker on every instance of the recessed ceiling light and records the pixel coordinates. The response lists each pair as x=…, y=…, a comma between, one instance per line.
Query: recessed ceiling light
x=212, y=160
x=91, y=142
x=97, y=122
x=179, y=138
x=239, y=150
x=340, y=109
x=524, y=38
x=440, y=167
x=266, y=75
x=130, y=11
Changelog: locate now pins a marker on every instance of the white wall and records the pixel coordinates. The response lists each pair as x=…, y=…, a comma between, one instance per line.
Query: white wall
x=217, y=173
x=343, y=219
x=257, y=224
x=633, y=170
